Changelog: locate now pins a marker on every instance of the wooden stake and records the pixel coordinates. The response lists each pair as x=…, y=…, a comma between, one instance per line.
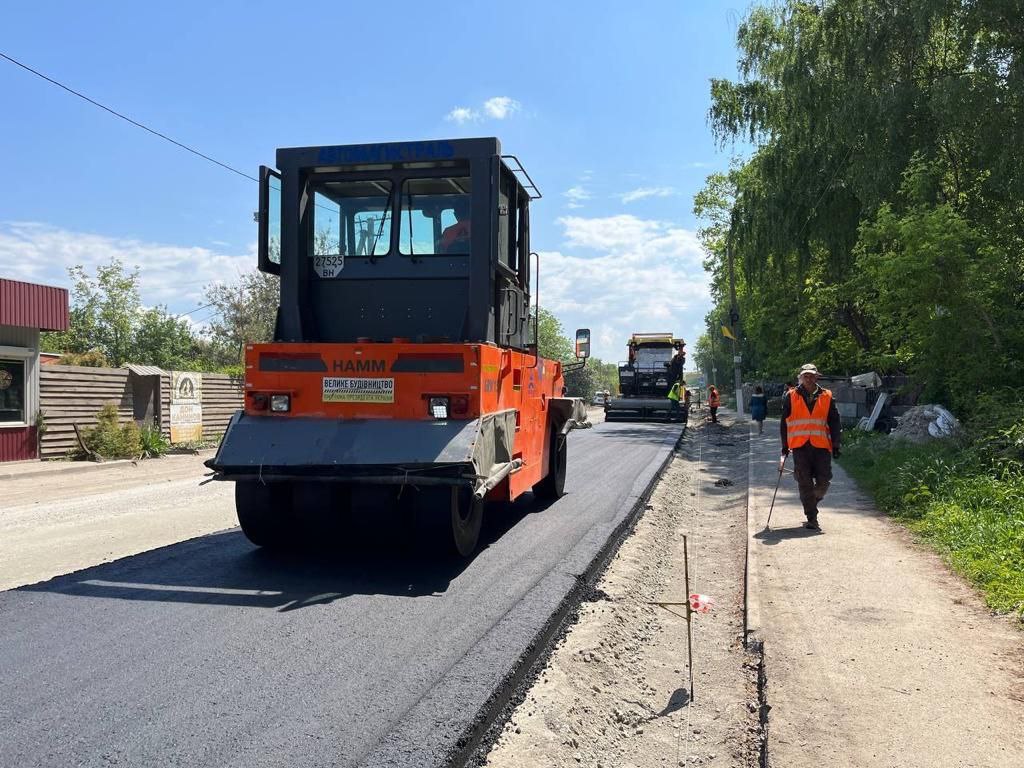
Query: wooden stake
x=689, y=613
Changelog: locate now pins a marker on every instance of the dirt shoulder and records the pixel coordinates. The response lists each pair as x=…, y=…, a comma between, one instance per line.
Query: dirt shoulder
x=68, y=521
x=875, y=653
x=615, y=691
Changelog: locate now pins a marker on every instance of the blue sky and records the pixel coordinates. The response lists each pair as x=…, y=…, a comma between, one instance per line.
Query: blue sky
x=604, y=102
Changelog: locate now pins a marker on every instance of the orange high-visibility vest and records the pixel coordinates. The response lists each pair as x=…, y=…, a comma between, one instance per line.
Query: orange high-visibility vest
x=453, y=234
x=805, y=426
x=713, y=400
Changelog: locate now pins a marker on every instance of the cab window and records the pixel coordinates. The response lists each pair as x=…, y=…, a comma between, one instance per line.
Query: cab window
x=351, y=218
x=435, y=216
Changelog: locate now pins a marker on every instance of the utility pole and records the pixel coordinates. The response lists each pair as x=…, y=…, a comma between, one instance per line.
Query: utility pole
x=714, y=365
x=734, y=323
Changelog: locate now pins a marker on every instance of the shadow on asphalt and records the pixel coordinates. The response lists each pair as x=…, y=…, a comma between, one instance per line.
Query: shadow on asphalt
x=225, y=569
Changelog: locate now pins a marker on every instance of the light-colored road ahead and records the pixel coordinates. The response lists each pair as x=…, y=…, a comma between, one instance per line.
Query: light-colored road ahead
x=59, y=523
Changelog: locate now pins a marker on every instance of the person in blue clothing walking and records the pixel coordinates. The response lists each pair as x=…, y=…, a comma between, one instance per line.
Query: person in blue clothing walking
x=759, y=407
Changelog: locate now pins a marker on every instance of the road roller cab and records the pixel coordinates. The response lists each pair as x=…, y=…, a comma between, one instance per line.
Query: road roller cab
x=404, y=364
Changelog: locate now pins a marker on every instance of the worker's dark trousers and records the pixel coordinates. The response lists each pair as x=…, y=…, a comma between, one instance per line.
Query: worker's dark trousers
x=714, y=414
x=813, y=472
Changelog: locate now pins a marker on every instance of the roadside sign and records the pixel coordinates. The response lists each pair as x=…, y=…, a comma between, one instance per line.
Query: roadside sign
x=186, y=406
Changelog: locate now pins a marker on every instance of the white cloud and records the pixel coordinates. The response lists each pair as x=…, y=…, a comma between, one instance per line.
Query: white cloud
x=647, y=276
x=614, y=233
x=462, y=115
x=641, y=192
x=500, y=107
x=495, y=108
x=577, y=196
x=168, y=274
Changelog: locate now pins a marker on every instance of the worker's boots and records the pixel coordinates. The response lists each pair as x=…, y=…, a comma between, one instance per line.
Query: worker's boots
x=812, y=524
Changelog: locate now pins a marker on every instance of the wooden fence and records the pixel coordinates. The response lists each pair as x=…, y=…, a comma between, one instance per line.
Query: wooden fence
x=71, y=395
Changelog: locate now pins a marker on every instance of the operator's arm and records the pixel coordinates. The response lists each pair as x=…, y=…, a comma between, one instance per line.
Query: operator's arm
x=782, y=423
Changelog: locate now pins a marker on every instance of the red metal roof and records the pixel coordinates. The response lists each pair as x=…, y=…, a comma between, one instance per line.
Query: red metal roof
x=28, y=305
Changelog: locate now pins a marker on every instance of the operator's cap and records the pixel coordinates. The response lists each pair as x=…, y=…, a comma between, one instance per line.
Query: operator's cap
x=808, y=368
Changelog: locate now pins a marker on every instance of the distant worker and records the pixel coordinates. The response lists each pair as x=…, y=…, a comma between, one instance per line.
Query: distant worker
x=455, y=239
x=687, y=397
x=714, y=401
x=810, y=428
x=675, y=367
x=759, y=407
x=674, y=413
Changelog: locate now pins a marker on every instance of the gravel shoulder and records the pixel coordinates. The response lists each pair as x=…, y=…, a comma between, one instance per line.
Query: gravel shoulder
x=68, y=521
x=615, y=691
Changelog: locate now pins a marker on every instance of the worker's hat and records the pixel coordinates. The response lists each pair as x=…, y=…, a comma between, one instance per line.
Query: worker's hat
x=808, y=368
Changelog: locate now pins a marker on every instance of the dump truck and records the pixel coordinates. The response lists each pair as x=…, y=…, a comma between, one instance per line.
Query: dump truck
x=404, y=371
x=644, y=379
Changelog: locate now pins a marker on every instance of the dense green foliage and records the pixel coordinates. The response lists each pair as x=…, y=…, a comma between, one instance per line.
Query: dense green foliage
x=880, y=222
x=581, y=382
x=246, y=311
x=109, y=325
x=967, y=498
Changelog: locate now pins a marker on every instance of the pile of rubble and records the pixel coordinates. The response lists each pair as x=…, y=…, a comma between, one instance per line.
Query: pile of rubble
x=926, y=422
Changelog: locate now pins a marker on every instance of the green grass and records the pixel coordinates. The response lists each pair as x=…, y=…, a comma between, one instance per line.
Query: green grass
x=966, y=499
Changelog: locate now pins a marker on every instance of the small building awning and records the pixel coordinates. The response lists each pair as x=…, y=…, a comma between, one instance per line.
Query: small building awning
x=144, y=370
x=28, y=305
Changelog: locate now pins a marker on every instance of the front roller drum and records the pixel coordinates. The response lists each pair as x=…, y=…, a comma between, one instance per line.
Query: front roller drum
x=265, y=512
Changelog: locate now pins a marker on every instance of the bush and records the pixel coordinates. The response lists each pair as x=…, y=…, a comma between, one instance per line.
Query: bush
x=112, y=440
x=153, y=442
x=91, y=359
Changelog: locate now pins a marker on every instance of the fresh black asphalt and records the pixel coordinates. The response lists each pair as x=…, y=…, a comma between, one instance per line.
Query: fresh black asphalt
x=214, y=653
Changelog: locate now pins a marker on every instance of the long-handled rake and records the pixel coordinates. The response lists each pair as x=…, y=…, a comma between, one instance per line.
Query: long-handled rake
x=782, y=466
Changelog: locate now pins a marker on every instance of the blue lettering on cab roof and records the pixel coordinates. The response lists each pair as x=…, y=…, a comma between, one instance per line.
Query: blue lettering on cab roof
x=413, y=151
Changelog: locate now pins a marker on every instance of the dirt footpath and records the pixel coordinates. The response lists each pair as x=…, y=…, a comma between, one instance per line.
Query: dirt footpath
x=616, y=691
x=876, y=655
x=62, y=522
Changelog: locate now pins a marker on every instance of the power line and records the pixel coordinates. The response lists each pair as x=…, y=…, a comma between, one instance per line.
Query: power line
x=136, y=123
x=205, y=306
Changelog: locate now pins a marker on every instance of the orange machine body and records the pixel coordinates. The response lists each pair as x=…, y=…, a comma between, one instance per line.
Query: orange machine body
x=396, y=380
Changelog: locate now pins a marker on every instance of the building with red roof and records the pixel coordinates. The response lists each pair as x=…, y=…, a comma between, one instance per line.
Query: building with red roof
x=26, y=309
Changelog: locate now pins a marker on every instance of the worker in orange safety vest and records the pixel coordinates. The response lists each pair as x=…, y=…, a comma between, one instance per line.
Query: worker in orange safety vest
x=810, y=428
x=714, y=401
x=455, y=238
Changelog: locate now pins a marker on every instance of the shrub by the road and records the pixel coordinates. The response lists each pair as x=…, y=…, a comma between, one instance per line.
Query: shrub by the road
x=113, y=440
x=965, y=498
x=154, y=444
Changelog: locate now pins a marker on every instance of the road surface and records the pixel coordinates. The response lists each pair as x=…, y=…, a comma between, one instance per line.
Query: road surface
x=212, y=652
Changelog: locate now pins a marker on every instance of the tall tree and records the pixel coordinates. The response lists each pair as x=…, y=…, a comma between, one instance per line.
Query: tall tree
x=246, y=311
x=107, y=317
x=878, y=222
